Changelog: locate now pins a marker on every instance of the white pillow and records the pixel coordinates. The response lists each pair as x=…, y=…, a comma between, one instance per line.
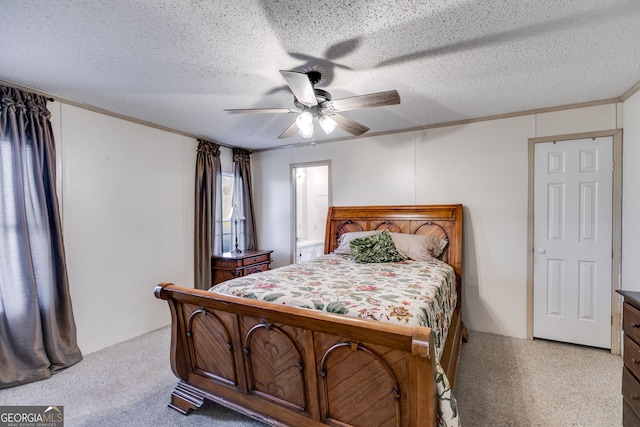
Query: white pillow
x=344, y=240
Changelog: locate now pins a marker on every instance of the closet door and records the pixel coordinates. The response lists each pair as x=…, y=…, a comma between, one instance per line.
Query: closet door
x=573, y=216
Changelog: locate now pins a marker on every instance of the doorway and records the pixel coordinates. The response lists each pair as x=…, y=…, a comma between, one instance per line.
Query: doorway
x=574, y=236
x=311, y=192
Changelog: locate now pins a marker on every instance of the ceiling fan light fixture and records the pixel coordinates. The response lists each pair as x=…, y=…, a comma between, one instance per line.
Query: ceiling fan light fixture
x=305, y=124
x=328, y=124
x=304, y=120
x=307, y=132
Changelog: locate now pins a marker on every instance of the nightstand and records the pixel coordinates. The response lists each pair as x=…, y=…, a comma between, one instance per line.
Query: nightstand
x=230, y=265
x=631, y=357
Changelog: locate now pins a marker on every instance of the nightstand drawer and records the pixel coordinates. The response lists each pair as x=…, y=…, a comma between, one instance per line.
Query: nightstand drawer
x=255, y=269
x=256, y=259
x=629, y=417
x=632, y=356
x=631, y=322
x=631, y=390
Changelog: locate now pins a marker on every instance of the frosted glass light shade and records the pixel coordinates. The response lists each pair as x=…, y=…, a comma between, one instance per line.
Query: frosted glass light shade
x=304, y=120
x=307, y=132
x=328, y=124
x=305, y=124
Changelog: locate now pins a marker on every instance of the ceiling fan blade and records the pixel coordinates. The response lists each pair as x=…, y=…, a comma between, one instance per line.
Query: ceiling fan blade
x=378, y=99
x=290, y=131
x=261, y=110
x=351, y=126
x=301, y=87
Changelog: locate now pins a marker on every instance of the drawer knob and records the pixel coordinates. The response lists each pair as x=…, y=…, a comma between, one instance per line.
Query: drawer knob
x=635, y=325
x=635, y=361
x=635, y=397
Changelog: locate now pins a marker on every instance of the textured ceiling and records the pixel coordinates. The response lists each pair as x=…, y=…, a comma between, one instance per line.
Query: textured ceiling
x=178, y=64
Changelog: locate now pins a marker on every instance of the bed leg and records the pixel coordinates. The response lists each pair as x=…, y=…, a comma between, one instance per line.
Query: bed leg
x=186, y=398
x=465, y=333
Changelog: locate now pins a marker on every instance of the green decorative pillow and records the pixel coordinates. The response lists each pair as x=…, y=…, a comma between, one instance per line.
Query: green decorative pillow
x=375, y=248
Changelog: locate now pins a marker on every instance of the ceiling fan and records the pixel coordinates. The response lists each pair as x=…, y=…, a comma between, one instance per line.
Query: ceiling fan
x=311, y=103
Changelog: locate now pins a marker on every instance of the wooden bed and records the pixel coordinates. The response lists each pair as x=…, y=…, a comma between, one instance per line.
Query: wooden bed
x=291, y=366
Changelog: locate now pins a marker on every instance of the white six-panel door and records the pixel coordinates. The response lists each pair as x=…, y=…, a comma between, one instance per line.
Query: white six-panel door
x=573, y=185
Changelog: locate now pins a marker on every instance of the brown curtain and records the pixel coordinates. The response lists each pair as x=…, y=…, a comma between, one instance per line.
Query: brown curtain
x=37, y=328
x=243, y=198
x=208, y=215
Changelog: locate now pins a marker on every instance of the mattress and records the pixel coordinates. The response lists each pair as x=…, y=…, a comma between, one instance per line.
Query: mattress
x=414, y=293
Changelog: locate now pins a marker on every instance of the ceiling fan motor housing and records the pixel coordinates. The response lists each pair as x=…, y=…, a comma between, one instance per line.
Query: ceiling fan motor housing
x=321, y=95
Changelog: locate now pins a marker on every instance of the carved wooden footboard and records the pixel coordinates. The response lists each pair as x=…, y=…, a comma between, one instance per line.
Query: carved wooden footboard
x=292, y=366
x=289, y=366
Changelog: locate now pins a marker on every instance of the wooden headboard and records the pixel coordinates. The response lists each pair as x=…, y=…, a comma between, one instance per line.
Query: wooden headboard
x=444, y=221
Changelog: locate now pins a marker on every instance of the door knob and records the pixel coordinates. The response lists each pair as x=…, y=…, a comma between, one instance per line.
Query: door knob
x=541, y=250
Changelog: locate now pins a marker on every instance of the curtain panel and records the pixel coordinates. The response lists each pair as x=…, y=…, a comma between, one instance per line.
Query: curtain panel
x=243, y=198
x=37, y=327
x=208, y=211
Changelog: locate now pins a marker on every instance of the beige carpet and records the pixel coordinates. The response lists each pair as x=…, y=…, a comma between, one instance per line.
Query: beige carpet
x=501, y=382
x=512, y=382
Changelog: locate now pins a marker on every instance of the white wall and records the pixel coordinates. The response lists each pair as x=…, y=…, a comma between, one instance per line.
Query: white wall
x=631, y=194
x=482, y=165
x=126, y=192
x=272, y=203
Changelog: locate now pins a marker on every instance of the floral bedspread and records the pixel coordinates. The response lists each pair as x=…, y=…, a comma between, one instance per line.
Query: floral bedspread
x=415, y=293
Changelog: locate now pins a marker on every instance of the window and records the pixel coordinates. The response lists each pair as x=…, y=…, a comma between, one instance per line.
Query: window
x=24, y=233
x=227, y=195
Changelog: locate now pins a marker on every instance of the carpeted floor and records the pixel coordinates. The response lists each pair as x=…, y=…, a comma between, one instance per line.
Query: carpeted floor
x=506, y=381
x=501, y=382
